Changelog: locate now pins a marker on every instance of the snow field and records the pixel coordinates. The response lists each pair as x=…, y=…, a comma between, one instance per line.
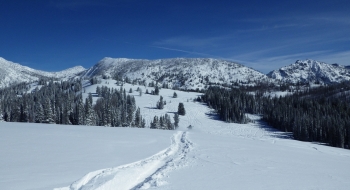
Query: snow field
x=41, y=156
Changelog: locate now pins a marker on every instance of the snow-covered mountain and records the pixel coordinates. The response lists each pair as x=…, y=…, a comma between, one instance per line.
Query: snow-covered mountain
x=311, y=71
x=15, y=73
x=186, y=73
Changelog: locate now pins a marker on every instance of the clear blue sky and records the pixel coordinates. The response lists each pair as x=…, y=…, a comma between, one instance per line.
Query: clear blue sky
x=54, y=35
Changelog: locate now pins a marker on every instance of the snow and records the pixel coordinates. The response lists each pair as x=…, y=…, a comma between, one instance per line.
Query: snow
x=211, y=155
x=40, y=156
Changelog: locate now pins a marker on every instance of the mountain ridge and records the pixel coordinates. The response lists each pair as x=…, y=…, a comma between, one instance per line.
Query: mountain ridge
x=184, y=73
x=10, y=72
x=311, y=71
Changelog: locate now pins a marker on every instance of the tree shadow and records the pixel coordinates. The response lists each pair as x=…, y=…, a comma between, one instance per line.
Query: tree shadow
x=213, y=116
x=273, y=131
x=151, y=108
x=173, y=112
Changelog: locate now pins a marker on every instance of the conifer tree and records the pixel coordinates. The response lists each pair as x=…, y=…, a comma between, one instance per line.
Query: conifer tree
x=155, y=123
x=176, y=120
x=89, y=113
x=181, y=109
x=1, y=112
x=39, y=113
x=79, y=113
x=168, y=124
x=138, y=118
x=48, y=113
x=143, y=123
x=156, y=90
x=160, y=103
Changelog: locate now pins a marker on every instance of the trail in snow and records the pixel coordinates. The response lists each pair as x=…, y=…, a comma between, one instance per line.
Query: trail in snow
x=142, y=174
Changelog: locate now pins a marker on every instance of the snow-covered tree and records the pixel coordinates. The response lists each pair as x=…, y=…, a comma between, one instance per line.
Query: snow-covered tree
x=89, y=112
x=39, y=113
x=48, y=113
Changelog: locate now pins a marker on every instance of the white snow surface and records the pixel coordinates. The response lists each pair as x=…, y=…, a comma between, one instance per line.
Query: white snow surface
x=11, y=72
x=211, y=155
x=311, y=71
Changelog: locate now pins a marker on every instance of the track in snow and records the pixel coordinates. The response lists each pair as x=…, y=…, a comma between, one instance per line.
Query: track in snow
x=142, y=174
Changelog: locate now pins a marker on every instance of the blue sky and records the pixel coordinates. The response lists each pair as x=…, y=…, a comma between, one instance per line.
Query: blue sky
x=54, y=35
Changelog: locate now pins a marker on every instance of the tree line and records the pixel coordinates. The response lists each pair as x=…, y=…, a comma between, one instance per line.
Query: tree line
x=321, y=114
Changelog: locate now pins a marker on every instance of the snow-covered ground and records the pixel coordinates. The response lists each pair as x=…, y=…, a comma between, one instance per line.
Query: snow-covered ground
x=211, y=155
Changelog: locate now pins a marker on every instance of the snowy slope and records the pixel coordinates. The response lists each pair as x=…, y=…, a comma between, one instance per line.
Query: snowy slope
x=212, y=155
x=187, y=73
x=311, y=71
x=15, y=73
x=42, y=157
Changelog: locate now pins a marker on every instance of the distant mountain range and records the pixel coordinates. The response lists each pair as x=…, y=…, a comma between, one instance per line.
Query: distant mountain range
x=311, y=71
x=187, y=73
x=11, y=73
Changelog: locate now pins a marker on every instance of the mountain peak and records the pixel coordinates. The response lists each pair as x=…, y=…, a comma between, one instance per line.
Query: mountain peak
x=310, y=71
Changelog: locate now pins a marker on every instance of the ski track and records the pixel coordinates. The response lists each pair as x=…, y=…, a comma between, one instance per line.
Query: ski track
x=143, y=174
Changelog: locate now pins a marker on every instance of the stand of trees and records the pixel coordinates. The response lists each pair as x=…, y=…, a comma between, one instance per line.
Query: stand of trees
x=62, y=103
x=313, y=115
x=162, y=122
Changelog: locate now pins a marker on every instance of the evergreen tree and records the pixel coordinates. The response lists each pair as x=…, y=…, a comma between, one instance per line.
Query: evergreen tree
x=48, y=113
x=160, y=103
x=89, y=112
x=98, y=90
x=181, y=109
x=176, y=120
x=156, y=90
x=155, y=123
x=131, y=107
x=1, y=112
x=138, y=118
x=143, y=123
x=174, y=95
x=168, y=124
x=79, y=115
x=23, y=113
x=161, y=123
x=140, y=92
x=39, y=113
